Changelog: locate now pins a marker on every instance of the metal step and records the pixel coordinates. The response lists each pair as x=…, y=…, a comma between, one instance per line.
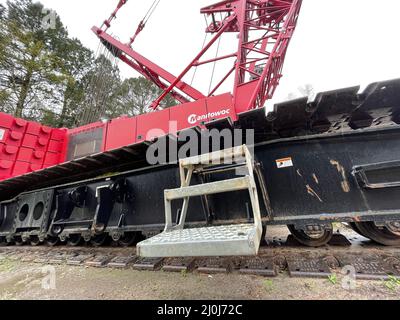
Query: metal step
x=208, y=188
x=229, y=240
x=228, y=155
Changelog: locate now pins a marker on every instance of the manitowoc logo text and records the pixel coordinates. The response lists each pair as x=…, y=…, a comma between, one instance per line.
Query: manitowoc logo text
x=193, y=118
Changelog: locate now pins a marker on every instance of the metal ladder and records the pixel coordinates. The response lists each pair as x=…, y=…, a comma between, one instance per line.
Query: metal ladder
x=227, y=240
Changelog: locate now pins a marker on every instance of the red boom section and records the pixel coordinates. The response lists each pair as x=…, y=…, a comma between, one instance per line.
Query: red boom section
x=264, y=29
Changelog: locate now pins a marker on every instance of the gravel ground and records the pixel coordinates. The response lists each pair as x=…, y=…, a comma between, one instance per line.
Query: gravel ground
x=19, y=280
x=25, y=281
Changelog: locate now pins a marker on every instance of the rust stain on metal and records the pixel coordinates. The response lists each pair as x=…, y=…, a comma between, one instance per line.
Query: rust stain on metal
x=328, y=218
x=313, y=193
x=345, y=183
x=315, y=178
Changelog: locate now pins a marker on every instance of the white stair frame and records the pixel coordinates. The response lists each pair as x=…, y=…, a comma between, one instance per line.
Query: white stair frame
x=187, y=167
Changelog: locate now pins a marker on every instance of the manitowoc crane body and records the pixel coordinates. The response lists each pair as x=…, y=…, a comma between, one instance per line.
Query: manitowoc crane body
x=225, y=169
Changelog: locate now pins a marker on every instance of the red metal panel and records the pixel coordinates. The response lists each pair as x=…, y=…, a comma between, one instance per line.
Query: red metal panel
x=58, y=134
x=31, y=156
x=24, y=146
x=51, y=159
x=14, y=124
x=41, y=144
x=37, y=129
x=243, y=95
x=25, y=154
x=38, y=158
x=29, y=141
x=221, y=107
x=152, y=125
x=6, y=169
x=35, y=142
x=21, y=168
x=120, y=132
x=13, y=138
x=8, y=152
x=19, y=125
x=35, y=167
x=6, y=121
x=45, y=131
x=188, y=115
x=33, y=128
x=55, y=146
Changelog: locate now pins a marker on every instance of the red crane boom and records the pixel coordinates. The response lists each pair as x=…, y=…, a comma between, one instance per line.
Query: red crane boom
x=264, y=29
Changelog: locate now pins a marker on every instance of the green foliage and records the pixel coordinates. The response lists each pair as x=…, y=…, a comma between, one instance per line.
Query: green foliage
x=268, y=285
x=2, y=11
x=392, y=283
x=333, y=279
x=47, y=76
x=184, y=273
x=33, y=72
x=135, y=95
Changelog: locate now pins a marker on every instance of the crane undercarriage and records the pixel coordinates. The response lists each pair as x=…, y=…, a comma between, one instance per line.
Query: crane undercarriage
x=322, y=165
x=208, y=176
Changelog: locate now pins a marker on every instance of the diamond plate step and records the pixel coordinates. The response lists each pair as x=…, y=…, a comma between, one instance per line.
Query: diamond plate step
x=231, y=240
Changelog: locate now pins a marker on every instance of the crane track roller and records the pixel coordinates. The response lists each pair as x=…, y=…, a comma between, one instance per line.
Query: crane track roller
x=387, y=234
x=312, y=236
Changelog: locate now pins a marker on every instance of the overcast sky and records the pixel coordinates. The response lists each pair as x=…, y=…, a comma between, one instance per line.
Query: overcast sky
x=338, y=43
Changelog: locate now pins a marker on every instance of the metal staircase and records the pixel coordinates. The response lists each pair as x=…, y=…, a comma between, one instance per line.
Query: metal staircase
x=227, y=240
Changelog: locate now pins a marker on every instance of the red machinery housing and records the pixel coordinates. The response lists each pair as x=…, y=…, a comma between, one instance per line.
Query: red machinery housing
x=28, y=146
x=264, y=29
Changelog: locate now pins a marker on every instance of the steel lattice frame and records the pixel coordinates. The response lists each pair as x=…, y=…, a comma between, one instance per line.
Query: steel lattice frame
x=264, y=29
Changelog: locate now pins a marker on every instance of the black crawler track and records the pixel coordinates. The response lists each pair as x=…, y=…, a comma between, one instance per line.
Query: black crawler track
x=344, y=146
x=362, y=259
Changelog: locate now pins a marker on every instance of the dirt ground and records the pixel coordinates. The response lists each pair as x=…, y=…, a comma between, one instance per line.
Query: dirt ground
x=28, y=281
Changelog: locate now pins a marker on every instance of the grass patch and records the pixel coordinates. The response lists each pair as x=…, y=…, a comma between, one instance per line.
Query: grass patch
x=333, y=279
x=184, y=273
x=268, y=285
x=392, y=283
